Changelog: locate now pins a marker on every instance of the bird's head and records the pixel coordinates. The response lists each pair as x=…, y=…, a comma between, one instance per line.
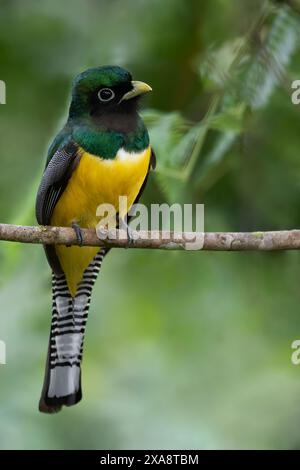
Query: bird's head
x=105, y=90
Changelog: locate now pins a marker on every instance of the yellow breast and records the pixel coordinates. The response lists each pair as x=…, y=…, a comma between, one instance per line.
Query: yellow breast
x=95, y=181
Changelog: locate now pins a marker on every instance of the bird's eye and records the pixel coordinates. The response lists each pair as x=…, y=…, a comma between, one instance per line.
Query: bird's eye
x=106, y=94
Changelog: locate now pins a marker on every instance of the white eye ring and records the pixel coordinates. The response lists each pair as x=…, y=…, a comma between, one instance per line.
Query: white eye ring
x=105, y=91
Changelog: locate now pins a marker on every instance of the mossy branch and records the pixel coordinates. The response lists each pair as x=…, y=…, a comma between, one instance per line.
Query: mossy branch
x=212, y=241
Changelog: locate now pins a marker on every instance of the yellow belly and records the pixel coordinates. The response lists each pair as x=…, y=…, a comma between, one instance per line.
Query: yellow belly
x=95, y=181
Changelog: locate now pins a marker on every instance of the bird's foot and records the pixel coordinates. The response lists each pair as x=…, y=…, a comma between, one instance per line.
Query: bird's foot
x=129, y=232
x=78, y=233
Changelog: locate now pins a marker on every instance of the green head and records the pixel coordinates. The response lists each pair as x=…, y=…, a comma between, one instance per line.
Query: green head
x=105, y=91
x=103, y=114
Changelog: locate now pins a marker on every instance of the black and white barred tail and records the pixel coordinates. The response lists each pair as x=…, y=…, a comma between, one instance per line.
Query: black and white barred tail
x=62, y=383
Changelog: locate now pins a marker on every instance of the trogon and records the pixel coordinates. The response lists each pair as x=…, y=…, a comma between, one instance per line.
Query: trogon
x=101, y=153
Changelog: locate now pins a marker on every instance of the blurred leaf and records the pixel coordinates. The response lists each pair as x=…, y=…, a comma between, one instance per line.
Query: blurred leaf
x=268, y=63
x=231, y=119
x=213, y=162
x=166, y=130
x=215, y=66
x=171, y=137
x=180, y=149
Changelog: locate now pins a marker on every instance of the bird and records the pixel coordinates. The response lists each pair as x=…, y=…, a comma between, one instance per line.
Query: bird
x=102, y=152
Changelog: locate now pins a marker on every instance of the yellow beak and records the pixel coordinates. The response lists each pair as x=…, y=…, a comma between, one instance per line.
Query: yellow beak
x=139, y=88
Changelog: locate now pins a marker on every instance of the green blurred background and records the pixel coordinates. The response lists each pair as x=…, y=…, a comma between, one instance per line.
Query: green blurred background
x=183, y=350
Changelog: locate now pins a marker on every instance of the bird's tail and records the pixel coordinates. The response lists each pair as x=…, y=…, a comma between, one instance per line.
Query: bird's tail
x=62, y=383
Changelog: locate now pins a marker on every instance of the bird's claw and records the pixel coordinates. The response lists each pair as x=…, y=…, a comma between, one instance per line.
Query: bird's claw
x=130, y=237
x=78, y=233
x=129, y=232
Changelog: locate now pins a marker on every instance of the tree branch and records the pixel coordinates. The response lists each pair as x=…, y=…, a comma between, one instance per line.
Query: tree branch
x=214, y=241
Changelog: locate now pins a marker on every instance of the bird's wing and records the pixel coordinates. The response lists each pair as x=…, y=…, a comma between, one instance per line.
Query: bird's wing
x=152, y=165
x=152, y=159
x=54, y=181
